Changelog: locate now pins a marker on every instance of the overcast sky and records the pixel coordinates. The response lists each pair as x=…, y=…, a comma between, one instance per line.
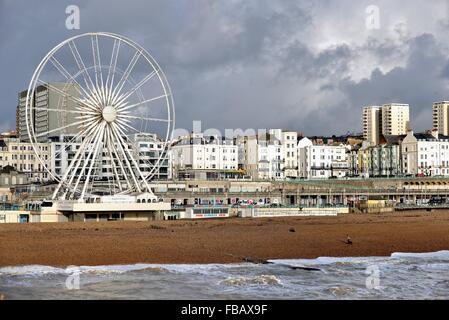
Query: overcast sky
x=308, y=66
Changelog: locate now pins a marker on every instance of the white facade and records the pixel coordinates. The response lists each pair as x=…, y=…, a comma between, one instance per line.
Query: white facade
x=321, y=161
x=200, y=153
x=148, y=150
x=290, y=149
x=425, y=154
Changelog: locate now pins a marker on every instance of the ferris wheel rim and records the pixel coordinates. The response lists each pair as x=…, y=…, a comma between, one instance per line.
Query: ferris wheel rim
x=169, y=102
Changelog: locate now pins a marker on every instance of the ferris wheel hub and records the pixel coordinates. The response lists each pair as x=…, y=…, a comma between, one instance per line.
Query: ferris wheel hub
x=109, y=114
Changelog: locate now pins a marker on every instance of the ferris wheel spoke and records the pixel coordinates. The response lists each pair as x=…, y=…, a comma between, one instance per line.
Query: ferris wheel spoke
x=68, y=76
x=131, y=157
x=120, y=109
x=61, y=110
x=100, y=141
x=128, y=126
x=59, y=129
x=97, y=61
x=67, y=172
x=118, y=88
x=136, y=87
x=144, y=178
x=73, y=139
x=88, y=158
x=144, y=118
x=82, y=149
x=81, y=66
x=63, y=93
x=112, y=68
x=119, y=159
x=122, y=148
x=109, y=149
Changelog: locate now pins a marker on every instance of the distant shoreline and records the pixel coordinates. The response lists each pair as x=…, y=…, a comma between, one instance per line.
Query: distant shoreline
x=222, y=240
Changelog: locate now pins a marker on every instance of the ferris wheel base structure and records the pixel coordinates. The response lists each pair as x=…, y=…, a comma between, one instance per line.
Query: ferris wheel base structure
x=80, y=208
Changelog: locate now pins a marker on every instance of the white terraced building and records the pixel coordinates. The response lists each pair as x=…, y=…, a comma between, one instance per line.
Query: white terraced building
x=261, y=157
x=206, y=153
x=425, y=153
x=21, y=156
x=321, y=161
x=289, y=147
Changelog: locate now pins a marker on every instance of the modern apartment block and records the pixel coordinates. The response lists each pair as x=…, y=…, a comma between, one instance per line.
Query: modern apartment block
x=149, y=151
x=395, y=119
x=45, y=119
x=372, y=124
x=440, y=114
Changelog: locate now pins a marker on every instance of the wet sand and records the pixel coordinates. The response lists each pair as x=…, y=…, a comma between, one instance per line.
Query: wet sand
x=222, y=241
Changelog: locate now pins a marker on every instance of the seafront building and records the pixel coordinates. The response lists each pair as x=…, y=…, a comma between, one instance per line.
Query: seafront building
x=395, y=118
x=388, y=120
x=321, y=161
x=197, y=156
x=21, y=156
x=289, y=141
x=45, y=120
x=440, y=117
x=261, y=157
x=384, y=159
x=152, y=155
x=425, y=154
x=372, y=124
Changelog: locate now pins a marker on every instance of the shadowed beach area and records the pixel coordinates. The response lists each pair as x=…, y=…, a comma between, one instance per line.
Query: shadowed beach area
x=222, y=241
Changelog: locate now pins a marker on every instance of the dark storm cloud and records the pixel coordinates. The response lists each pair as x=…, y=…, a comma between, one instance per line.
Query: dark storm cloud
x=250, y=64
x=418, y=83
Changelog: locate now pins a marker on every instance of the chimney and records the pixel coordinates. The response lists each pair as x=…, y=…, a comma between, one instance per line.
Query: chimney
x=435, y=133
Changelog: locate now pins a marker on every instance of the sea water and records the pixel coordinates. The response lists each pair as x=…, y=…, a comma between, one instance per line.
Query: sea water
x=400, y=276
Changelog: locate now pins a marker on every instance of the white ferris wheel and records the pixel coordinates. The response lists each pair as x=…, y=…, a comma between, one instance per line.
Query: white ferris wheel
x=106, y=92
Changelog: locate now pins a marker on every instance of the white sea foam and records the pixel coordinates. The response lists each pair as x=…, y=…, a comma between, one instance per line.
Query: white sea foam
x=256, y=280
x=105, y=269
x=207, y=268
x=441, y=255
x=30, y=270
